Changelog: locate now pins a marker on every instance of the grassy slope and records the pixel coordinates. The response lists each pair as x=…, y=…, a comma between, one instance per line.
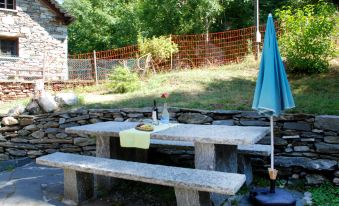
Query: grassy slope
x=226, y=87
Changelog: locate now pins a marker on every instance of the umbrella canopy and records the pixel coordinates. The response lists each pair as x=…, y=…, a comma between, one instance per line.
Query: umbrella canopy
x=272, y=94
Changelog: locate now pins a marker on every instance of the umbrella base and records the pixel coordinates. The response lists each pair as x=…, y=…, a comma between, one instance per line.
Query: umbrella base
x=263, y=197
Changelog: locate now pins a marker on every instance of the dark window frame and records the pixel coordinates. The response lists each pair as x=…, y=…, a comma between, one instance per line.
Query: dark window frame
x=14, y=51
x=8, y=4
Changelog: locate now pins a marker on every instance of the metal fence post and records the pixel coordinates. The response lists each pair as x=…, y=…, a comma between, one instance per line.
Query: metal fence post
x=95, y=67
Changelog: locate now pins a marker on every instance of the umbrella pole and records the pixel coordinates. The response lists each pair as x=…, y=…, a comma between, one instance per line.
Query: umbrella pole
x=272, y=172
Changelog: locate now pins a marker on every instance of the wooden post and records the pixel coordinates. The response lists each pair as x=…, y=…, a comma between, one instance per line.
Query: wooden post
x=95, y=67
x=171, y=53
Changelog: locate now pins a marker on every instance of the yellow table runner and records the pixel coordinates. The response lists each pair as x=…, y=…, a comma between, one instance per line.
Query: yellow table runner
x=140, y=139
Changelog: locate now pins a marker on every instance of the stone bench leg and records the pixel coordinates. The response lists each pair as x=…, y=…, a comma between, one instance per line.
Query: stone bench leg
x=186, y=197
x=78, y=186
x=245, y=167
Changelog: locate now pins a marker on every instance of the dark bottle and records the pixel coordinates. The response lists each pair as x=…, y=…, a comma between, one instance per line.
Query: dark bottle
x=155, y=111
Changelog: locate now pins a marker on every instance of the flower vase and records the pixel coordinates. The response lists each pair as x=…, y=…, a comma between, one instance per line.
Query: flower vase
x=165, y=115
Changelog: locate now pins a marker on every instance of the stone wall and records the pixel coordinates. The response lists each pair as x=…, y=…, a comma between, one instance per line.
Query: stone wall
x=42, y=42
x=13, y=90
x=305, y=144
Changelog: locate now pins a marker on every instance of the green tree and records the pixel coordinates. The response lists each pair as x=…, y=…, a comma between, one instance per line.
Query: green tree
x=307, y=36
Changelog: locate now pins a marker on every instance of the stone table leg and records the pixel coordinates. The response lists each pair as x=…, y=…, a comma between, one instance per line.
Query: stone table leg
x=104, y=149
x=109, y=147
x=221, y=158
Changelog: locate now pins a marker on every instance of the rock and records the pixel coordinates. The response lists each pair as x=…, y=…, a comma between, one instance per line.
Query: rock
x=51, y=141
x=132, y=110
x=84, y=141
x=4, y=157
x=61, y=135
x=33, y=108
x=223, y=122
x=327, y=148
x=311, y=135
x=17, y=145
x=63, y=126
x=2, y=150
x=53, y=130
x=119, y=119
x=9, y=121
x=31, y=127
x=135, y=115
x=9, y=129
x=47, y=102
x=249, y=115
x=194, y=118
x=66, y=99
x=38, y=134
x=336, y=181
x=62, y=120
x=254, y=123
x=50, y=151
x=26, y=121
x=301, y=148
x=70, y=148
x=94, y=120
x=78, y=118
x=19, y=140
x=302, y=126
x=51, y=125
x=34, y=153
x=291, y=137
x=306, y=163
x=16, y=152
x=16, y=111
x=317, y=131
x=314, y=179
x=277, y=141
x=332, y=139
x=327, y=122
x=336, y=173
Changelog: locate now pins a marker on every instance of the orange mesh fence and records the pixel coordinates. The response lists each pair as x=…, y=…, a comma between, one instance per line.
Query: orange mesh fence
x=195, y=50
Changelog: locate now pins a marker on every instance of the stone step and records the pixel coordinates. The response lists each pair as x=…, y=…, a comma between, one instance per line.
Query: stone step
x=191, y=179
x=256, y=149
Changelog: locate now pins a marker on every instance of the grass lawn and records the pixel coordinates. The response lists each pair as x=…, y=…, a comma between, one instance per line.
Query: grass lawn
x=225, y=87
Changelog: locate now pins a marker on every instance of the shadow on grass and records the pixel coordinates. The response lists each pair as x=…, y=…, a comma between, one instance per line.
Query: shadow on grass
x=235, y=93
x=314, y=94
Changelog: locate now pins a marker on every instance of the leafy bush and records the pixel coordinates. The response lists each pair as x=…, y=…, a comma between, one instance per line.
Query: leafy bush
x=160, y=48
x=325, y=195
x=122, y=80
x=307, y=36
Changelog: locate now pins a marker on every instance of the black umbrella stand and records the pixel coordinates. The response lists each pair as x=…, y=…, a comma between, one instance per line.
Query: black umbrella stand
x=272, y=196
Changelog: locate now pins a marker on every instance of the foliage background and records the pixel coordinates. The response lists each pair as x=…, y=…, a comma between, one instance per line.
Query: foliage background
x=107, y=24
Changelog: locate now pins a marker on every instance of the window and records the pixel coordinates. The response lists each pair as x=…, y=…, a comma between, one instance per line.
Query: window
x=9, y=47
x=7, y=4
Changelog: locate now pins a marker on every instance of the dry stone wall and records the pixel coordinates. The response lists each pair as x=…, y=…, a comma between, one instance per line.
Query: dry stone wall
x=307, y=146
x=13, y=90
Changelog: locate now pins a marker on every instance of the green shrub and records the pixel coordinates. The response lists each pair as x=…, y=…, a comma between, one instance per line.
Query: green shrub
x=325, y=195
x=122, y=80
x=307, y=36
x=160, y=48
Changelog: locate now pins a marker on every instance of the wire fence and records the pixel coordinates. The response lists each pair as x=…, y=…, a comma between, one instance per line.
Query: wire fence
x=195, y=51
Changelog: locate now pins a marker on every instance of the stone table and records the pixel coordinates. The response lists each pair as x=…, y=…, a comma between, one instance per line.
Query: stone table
x=215, y=145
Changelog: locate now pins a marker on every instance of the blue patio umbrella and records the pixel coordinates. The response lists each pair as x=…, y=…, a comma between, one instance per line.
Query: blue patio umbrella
x=272, y=94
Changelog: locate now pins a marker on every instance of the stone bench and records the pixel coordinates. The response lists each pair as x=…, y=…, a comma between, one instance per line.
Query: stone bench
x=244, y=151
x=192, y=186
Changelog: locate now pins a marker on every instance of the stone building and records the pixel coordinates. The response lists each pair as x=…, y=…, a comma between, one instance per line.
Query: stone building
x=33, y=40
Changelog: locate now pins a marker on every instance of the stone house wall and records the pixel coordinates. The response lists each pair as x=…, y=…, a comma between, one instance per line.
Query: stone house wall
x=304, y=144
x=42, y=42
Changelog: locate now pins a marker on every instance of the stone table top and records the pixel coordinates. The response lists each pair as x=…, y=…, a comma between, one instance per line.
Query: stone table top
x=212, y=134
